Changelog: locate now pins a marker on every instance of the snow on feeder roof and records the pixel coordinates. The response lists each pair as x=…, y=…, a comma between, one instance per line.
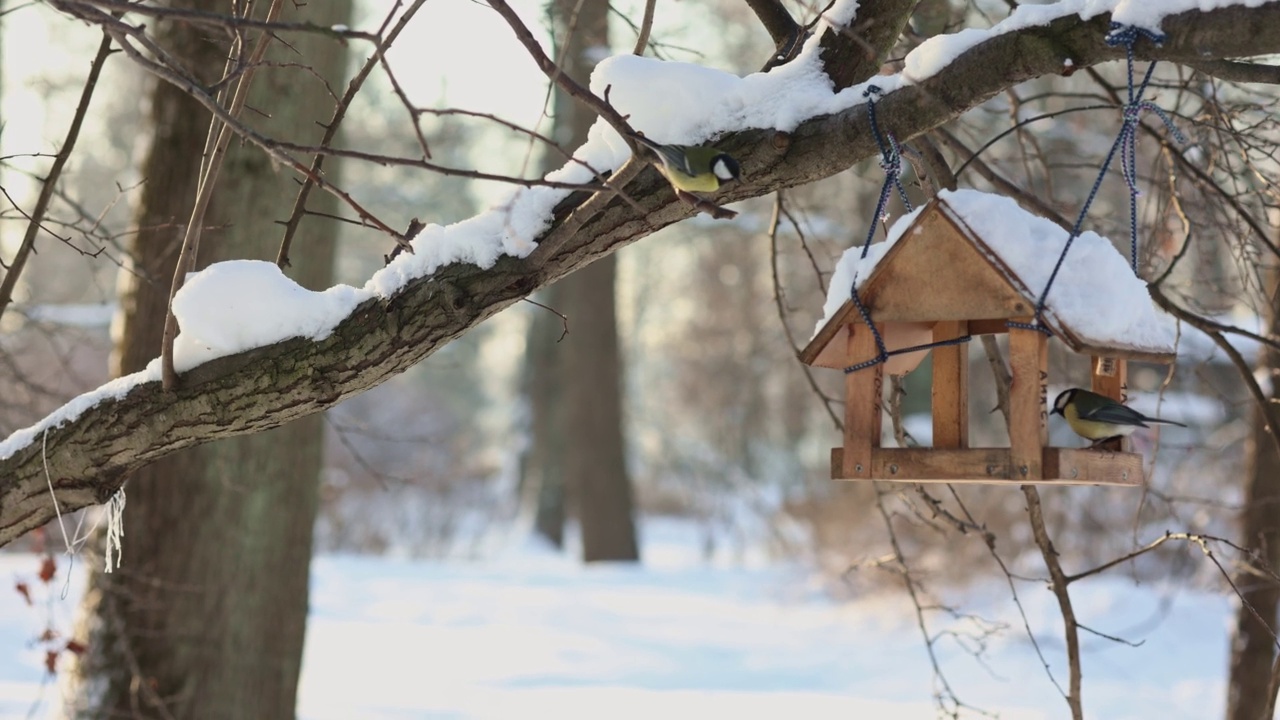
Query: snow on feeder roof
x=975, y=256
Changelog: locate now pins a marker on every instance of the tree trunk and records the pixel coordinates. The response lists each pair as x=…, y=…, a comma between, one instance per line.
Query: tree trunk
x=205, y=619
x=576, y=453
x=543, y=475
x=595, y=467
x=1253, y=642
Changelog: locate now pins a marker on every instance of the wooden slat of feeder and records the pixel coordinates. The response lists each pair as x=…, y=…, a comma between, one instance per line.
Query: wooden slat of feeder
x=861, y=404
x=1028, y=416
x=1110, y=377
x=950, y=387
x=1092, y=466
x=992, y=466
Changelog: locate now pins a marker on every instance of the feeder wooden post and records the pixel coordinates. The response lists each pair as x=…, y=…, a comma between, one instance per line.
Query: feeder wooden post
x=1110, y=378
x=950, y=386
x=861, y=404
x=1028, y=416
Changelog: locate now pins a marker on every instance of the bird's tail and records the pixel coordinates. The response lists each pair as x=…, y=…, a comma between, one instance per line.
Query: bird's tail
x=644, y=141
x=1165, y=422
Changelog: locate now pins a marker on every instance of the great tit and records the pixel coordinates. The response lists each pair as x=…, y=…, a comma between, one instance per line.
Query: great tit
x=694, y=168
x=1099, y=418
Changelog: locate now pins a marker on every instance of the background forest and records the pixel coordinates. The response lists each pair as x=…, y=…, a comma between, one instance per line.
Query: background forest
x=646, y=407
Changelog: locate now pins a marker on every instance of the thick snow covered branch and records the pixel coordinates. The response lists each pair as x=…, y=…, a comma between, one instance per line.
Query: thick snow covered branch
x=86, y=451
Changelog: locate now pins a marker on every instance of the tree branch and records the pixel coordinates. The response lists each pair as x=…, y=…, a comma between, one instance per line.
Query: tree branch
x=1236, y=71
x=1058, y=584
x=55, y=173
x=777, y=21
x=854, y=53
x=552, y=71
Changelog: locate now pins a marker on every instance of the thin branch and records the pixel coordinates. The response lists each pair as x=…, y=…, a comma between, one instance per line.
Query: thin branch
x=1028, y=200
x=552, y=71
x=564, y=319
x=1198, y=174
x=1112, y=638
x=210, y=19
x=1270, y=410
x=1236, y=71
x=782, y=28
x=339, y=114
x=780, y=303
x=204, y=193
x=1058, y=584
x=646, y=26
x=948, y=703
x=55, y=173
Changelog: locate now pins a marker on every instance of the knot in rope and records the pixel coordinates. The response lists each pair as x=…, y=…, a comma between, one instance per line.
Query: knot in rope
x=890, y=163
x=1129, y=136
x=1127, y=141
x=1127, y=35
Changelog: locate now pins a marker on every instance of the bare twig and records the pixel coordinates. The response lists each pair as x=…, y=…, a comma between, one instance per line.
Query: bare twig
x=1270, y=410
x=564, y=319
x=561, y=234
x=204, y=193
x=1237, y=71
x=777, y=21
x=210, y=19
x=948, y=702
x=1000, y=372
x=780, y=303
x=646, y=26
x=1058, y=584
x=339, y=114
x=552, y=71
x=1028, y=200
x=55, y=172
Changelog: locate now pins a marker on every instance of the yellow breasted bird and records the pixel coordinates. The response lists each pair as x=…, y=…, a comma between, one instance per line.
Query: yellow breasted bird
x=694, y=168
x=1099, y=418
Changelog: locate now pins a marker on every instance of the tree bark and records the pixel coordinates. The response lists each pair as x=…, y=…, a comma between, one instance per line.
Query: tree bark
x=206, y=616
x=87, y=456
x=1253, y=648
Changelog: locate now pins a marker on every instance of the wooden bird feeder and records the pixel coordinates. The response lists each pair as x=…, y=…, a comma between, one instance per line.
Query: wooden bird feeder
x=939, y=281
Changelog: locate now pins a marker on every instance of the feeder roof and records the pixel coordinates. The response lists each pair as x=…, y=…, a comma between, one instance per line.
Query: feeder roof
x=931, y=268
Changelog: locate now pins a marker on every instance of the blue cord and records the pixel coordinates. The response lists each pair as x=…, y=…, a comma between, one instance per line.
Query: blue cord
x=1126, y=145
x=890, y=163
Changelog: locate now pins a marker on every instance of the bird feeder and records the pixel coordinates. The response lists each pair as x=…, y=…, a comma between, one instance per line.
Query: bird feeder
x=941, y=279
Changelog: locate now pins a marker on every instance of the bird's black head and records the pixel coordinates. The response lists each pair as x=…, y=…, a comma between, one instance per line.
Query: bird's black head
x=1061, y=402
x=726, y=169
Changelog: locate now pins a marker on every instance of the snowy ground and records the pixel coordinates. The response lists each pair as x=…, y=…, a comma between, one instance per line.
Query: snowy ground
x=531, y=634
